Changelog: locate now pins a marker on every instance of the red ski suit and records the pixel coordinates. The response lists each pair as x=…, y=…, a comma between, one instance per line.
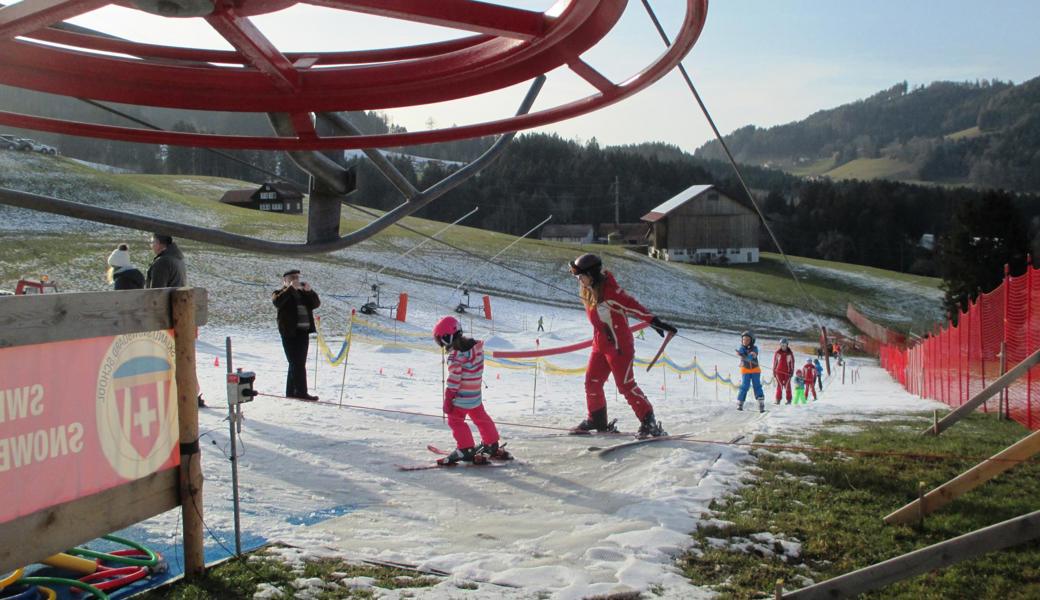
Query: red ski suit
x=783, y=369
x=613, y=348
x=810, y=381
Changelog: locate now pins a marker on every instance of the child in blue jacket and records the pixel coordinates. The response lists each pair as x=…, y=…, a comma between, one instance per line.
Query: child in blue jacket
x=750, y=370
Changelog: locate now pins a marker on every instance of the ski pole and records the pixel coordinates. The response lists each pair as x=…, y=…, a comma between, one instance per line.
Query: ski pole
x=444, y=416
x=660, y=350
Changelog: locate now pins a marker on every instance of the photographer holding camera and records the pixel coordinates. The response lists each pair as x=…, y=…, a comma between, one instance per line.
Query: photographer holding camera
x=296, y=301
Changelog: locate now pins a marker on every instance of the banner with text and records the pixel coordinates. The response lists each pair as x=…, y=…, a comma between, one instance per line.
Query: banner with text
x=82, y=416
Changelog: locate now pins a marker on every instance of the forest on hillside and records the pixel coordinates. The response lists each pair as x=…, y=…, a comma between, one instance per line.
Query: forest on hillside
x=876, y=223
x=984, y=133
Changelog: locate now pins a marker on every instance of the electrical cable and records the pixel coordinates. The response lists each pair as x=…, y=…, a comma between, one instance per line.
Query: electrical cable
x=296, y=186
x=548, y=285
x=736, y=168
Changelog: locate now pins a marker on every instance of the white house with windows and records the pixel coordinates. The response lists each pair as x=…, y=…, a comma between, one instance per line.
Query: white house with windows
x=269, y=197
x=704, y=226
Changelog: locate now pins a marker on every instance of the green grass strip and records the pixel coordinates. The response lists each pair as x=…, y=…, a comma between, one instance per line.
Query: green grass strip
x=832, y=504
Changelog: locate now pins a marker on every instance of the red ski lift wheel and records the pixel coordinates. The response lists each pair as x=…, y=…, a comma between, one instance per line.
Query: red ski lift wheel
x=503, y=46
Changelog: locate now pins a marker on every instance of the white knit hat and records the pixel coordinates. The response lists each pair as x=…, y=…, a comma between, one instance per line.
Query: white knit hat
x=120, y=257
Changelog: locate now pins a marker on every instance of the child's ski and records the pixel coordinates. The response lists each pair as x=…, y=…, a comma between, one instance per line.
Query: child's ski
x=441, y=452
x=427, y=466
x=580, y=433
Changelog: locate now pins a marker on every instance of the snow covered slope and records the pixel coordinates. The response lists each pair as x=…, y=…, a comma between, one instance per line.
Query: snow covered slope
x=561, y=521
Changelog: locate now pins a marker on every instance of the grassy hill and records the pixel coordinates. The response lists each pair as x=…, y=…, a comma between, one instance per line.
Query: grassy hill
x=874, y=168
x=976, y=133
x=73, y=252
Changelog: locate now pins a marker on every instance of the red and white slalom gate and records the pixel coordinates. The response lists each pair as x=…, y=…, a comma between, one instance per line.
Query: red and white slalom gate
x=958, y=361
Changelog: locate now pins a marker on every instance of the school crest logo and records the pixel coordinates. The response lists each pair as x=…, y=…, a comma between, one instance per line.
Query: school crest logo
x=136, y=403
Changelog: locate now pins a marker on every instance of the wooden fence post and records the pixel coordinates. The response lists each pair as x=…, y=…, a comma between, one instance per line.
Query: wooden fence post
x=183, y=309
x=1006, y=459
x=1001, y=402
x=995, y=537
x=992, y=389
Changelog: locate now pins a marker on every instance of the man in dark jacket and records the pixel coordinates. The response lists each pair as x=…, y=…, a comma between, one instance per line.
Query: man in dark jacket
x=167, y=268
x=296, y=302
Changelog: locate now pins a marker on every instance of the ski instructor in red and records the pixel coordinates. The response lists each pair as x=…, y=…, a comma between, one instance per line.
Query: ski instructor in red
x=783, y=369
x=608, y=308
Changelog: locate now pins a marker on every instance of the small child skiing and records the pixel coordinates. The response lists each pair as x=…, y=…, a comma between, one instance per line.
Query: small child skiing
x=809, y=371
x=799, y=387
x=462, y=396
x=819, y=373
x=751, y=372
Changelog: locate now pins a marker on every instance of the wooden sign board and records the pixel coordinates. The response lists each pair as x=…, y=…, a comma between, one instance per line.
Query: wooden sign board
x=92, y=417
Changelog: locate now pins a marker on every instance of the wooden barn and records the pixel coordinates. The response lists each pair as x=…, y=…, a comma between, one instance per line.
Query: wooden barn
x=701, y=225
x=269, y=197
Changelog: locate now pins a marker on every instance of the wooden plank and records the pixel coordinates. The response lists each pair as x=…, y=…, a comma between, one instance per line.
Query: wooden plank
x=968, y=480
x=968, y=407
x=37, y=319
x=995, y=537
x=34, y=537
x=190, y=478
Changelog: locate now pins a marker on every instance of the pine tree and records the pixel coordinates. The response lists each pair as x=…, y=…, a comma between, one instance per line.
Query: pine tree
x=985, y=234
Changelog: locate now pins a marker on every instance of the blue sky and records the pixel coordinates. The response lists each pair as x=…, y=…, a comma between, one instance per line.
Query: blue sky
x=762, y=62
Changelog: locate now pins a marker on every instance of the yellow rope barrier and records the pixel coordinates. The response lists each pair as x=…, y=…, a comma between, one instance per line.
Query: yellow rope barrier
x=338, y=357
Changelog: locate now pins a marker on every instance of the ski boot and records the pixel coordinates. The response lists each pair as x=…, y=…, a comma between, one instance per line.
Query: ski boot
x=650, y=427
x=494, y=451
x=761, y=405
x=597, y=421
x=740, y=406
x=459, y=455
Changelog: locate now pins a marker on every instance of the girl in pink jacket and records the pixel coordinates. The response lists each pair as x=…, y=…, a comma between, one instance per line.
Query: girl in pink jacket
x=462, y=396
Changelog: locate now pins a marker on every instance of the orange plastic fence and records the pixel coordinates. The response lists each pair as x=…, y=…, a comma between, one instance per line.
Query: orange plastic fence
x=955, y=363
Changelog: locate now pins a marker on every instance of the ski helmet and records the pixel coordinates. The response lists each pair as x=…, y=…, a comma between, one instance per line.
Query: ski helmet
x=748, y=334
x=445, y=330
x=586, y=264
x=783, y=341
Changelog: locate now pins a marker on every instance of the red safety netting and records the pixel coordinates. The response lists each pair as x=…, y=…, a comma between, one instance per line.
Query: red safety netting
x=955, y=363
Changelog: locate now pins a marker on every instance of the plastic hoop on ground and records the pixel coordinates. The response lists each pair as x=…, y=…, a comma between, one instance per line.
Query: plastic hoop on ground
x=110, y=579
x=118, y=556
x=12, y=577
x=86, y=587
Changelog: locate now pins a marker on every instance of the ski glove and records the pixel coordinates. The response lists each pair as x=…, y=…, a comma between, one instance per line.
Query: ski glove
x=449, y=396
x=660, y=327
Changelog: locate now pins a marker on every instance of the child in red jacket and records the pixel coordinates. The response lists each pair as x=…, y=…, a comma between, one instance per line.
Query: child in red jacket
x=810, y=379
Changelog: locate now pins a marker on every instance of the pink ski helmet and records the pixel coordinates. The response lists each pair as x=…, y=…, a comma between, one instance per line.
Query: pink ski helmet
x=445, y=330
